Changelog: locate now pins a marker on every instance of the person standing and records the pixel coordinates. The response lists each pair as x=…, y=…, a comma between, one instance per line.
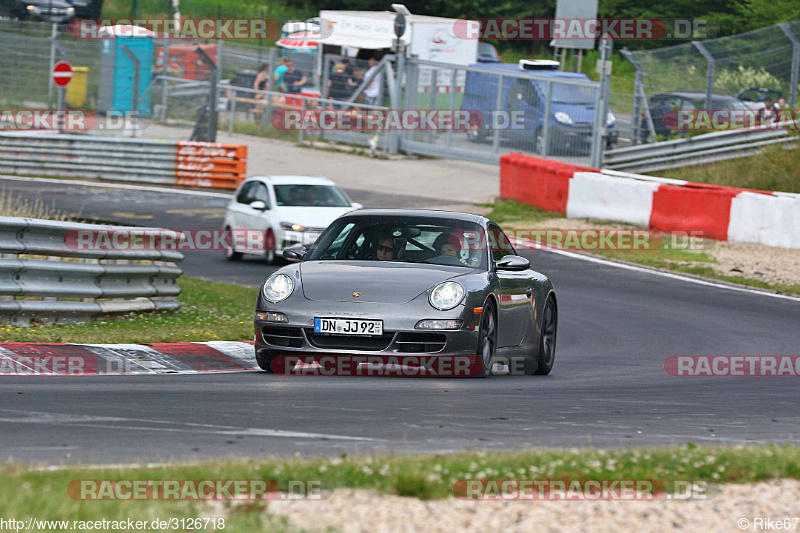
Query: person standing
x=373, y=89
x=337, y=85
x=293, y=79
x=261, y=83
x=280, y=71
x=769, y=114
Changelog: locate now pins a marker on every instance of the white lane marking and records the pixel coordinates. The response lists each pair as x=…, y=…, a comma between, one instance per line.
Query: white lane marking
x=120, y=186
x=545, y=248
x=112, y=466
x=38, y=417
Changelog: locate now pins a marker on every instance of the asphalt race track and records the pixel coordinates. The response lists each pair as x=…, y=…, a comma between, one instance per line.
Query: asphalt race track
x=608, y=389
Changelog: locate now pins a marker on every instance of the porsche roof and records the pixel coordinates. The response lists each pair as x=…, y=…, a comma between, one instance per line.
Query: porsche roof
x=432, y=213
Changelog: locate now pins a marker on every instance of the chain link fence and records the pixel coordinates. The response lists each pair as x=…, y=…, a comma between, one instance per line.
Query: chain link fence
x=553, y=114
x=29, y=52
x=767, y=58
x=542, y=112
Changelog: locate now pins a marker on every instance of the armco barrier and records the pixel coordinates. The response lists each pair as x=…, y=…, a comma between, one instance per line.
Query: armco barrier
x=726, y=213
x=197, y=164
x=706, y=148
x=44, y=276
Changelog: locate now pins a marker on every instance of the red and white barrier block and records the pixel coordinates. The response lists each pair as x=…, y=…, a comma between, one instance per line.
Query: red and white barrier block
x=722, y=213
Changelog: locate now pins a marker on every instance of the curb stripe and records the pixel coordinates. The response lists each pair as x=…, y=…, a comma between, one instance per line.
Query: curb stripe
x=22, y=358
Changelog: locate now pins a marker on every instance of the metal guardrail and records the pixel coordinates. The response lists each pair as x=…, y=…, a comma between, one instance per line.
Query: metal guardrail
x=46, y=276
x=707, y=148
x=198, y=164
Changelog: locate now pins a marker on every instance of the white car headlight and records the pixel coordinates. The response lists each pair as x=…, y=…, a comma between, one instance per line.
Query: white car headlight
x=446, y=295
x=278, y=287
x=564, y=118
x=293, y=227
x=610, y=119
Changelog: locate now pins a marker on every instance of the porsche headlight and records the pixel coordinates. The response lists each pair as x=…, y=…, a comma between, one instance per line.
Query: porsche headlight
x=446, y=295
x=278, y=287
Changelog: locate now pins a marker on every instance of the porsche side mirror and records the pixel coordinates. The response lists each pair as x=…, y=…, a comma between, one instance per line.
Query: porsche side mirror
x=258, y=205
x=513, y=263
x=294, y=253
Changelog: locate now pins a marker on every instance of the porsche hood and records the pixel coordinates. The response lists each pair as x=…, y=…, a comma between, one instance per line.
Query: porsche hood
x=374, y=281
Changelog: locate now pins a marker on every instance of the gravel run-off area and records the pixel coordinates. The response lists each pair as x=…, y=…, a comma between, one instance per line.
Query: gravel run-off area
x=369, y=512
x=765, y=263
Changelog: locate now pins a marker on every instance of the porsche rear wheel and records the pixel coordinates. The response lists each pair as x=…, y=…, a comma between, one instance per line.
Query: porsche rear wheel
x=487, y=344
x=547, y=339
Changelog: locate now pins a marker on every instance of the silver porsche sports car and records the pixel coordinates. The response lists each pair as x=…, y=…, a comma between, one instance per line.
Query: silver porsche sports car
x=408, y=287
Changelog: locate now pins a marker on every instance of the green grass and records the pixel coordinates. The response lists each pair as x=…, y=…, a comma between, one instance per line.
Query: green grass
x=709, y=272
x=210, y=311
x=43, y=494
x=659, y=257
x=517, y=214
x=776, y=169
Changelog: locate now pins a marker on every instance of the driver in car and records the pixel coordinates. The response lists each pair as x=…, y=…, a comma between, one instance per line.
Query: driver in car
x=384, y=249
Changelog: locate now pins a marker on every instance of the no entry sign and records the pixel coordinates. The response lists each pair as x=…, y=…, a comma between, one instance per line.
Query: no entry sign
x=62, y=73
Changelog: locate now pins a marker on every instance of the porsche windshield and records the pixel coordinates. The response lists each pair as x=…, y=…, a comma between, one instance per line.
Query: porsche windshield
x=438, y=241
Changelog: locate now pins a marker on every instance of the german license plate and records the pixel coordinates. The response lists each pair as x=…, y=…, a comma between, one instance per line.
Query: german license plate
x=348, y=326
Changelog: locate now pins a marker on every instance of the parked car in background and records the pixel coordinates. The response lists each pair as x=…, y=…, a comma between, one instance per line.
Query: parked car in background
x=43, y=10
x=487, y=53
x=572, y=110
x=87, y=9
x=660, y=104
x=285, y=210
x=756, y=96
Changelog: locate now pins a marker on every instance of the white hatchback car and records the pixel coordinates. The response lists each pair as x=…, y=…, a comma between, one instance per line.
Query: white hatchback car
x=286, y=210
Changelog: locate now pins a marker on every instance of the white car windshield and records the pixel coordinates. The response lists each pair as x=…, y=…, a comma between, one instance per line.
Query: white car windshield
x=310, y=195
